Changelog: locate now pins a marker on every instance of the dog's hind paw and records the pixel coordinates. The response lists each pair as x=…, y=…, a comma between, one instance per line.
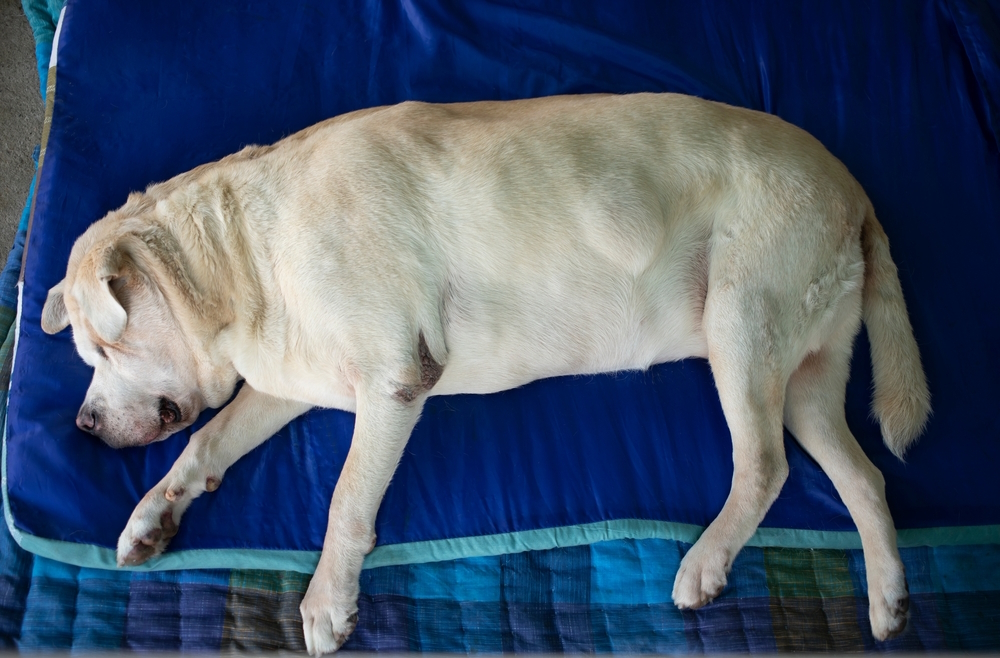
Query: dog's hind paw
x=888, y=611
x=700, y=578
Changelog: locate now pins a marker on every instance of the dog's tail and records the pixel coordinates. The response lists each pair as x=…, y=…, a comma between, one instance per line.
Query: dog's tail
x=901, y=401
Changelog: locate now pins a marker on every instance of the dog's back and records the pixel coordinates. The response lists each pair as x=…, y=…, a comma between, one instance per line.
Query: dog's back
x=598, y=226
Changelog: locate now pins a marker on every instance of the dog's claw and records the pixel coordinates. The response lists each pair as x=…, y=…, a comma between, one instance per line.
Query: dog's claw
x=167, y=524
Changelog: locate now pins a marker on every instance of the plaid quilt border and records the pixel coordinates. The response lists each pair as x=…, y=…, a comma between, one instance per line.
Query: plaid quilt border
x=607, y=597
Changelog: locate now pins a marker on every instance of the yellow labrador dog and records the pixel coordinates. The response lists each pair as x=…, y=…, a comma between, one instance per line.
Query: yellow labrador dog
x=394, y=253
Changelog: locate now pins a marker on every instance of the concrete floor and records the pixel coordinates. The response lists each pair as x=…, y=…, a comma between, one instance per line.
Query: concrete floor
x=21, y=114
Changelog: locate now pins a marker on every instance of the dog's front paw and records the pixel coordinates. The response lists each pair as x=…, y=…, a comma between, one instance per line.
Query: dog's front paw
x=701, y=577
x=888, y=608
x=327, y=620
x=152, y=526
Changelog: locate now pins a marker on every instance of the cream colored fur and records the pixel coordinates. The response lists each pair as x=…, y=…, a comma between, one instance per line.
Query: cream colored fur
x=395, y=253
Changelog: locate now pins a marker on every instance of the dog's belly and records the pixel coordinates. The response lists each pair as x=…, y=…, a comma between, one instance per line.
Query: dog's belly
x=502, y=367
x=611, y=280
x=497, y=343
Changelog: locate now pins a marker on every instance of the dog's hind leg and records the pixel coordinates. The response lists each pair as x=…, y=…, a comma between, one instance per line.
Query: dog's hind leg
x=746, y=347
x=814, y=413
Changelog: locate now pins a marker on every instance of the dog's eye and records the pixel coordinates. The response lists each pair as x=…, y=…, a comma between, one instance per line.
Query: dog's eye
x=169, y=412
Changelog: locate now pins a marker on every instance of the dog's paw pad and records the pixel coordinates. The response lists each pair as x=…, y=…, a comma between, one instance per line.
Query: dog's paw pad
x=151, y=538
x=173, y=493
x=212, y=483
x=144, y=537
x=168, y=524
x=140, y=553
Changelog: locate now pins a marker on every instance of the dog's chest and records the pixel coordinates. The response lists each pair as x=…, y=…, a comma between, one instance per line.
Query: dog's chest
x=317, y=381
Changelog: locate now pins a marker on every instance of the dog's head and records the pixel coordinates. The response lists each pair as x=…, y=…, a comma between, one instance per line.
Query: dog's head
x=120, y=297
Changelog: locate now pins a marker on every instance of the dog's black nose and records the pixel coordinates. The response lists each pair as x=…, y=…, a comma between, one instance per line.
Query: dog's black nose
x=88, y=421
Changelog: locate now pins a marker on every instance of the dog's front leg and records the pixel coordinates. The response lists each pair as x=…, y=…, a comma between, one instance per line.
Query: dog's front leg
x=241, y=426
x=381, y=430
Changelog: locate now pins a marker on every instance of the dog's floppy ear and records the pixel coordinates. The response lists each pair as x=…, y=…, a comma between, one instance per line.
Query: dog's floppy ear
x=54, y=316
x=92, y=290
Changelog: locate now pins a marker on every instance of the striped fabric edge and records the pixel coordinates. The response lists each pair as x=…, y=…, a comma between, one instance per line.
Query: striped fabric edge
x=92, y=556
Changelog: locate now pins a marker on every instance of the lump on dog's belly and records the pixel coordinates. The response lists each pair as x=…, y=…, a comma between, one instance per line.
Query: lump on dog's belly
x=430, y=373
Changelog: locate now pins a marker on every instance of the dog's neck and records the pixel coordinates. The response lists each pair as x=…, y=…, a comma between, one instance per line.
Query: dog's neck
x=216, y=257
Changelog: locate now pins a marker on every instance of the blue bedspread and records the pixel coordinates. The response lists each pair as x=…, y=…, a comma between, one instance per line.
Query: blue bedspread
x=907, y=95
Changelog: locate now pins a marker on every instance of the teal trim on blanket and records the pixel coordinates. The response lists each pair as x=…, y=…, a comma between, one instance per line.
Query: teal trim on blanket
x=85, y=555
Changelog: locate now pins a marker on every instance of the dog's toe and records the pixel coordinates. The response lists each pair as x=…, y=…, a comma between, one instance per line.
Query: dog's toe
x=147, y=534
x=888, y=612
x=693, y=590
x=139, y=553
x=700, y=579
x=327, y=619
x=325, y=630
